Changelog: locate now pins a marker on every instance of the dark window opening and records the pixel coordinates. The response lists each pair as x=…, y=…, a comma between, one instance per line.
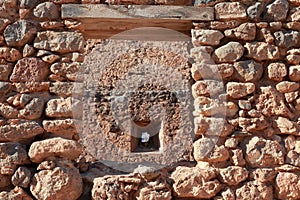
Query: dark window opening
x=145, y=137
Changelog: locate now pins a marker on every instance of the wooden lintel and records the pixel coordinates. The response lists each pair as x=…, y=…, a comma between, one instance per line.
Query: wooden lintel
x=190, y=13
x=102, y=21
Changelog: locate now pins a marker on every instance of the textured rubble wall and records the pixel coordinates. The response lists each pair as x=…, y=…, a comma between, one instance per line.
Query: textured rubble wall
x=254, y=47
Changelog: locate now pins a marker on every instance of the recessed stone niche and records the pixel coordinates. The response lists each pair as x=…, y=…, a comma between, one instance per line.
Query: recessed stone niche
x=138, y=106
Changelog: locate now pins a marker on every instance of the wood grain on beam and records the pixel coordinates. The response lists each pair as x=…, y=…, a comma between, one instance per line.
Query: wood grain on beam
x=103, y=21
x=77, y=11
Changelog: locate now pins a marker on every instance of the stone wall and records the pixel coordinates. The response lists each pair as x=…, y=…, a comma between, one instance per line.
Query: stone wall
x=247, y=139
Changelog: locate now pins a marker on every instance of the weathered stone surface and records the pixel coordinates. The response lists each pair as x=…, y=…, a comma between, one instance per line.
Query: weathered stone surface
x=62, y=42
x=277, y=11
x=206, y=37
x=154, y=190
x=28, y=3
x=287, y=39
x=253, y=124
x=32, y=87
x=65, y=128
x=21, y=177
x=30, y=70
x=263, y=175
x=67, y=70
x=20, y=131
x=46, y=11
x=294, y=15
x=206, y=150
x=112, y=187
x=15, y=194
x=276, y=71
x=255, y=11
x=64, y=1
x=230, y=10
x=286, y=86
x=294, y=73
x=4, y=87
x=293, y=158
x=293, y=59
x=20, y=33
x=202, y=54
x=238, y=90
x=8, y=9
x=209, y=126
x=245, y=31
x=12, y=154
x=207, y=88
x=59, y=147
x=223, y=25
x=195, y=183
x=8, y=111
x=233, y=175
x=291, y=96
x=264, y=153
x=10, y=54
x=218, y=108
x=230, y=52
x=245, y=104
x=285, y=126
x=287, y=185
x=59, y=108
x=270, y=102
x=254, y=191
x=63, y=89
x=33, y=110
x=5, y=71
x=207, y=71
x=262, y=51
x=63, y=181
x=247, y=71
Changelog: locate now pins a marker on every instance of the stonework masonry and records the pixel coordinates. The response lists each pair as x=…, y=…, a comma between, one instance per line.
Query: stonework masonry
x=241, y=128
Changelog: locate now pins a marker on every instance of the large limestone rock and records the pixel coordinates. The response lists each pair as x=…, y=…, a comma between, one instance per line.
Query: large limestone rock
x=230, y=52
x=112, y=187
x=66, y=70
x=8, y=9
x=62, y=181
x=276, y=71
x=20, y=33
x=62, y=42
x=277, y=11
x=262, y=51
x=59, y=147
x=238, y=90
x=15, y=194
x=206, y=37
x=247, y=71
x=33, y=110
x=206, y=149
x=207, y=88
x=283, y=125
x=287, y=86
x=19, y=131
x=46, y=11
x=65, y=128
x=59, y=108
x=246, y=31
x=254, y=191
x=264, y=153
x=230, y=10
x=195, y=183
x=211, y=71
x=154, y=190
x=233, y=175
x=30, y=70
x=10, y=54
x=12, y=155
x=270, y=102
x=287, y=185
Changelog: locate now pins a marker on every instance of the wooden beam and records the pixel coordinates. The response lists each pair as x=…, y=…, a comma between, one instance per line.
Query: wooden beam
x=190, y=13
x=104, y=21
